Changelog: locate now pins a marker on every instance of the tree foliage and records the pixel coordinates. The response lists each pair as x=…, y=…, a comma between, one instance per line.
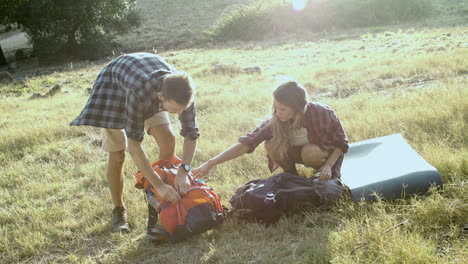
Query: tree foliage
x=62, y=29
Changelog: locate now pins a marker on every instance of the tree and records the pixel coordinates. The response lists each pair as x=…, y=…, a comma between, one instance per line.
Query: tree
x=64, y=29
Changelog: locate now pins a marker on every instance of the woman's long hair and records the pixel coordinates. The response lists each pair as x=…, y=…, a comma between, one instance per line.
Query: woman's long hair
x=291, y=94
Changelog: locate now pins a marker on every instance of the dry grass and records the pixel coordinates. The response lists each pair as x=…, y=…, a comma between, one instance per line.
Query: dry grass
x=55, y=207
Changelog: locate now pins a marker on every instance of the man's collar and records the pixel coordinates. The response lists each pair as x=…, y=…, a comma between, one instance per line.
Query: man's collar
x=155, y=80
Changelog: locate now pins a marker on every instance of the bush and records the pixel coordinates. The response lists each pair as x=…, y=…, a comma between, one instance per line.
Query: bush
x=259, y=18
x=245, y=22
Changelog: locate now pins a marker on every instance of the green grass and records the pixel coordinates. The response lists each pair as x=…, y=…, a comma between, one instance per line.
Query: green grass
x=55, y=205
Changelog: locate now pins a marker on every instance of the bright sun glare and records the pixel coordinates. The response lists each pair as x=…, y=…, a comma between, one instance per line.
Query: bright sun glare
x=298, y=5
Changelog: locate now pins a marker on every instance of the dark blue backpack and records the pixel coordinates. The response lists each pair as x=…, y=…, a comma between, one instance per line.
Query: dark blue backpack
x=265, y=200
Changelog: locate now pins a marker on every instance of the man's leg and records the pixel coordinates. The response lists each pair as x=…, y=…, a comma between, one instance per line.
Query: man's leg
x=165, y=139
x=114, y=176
x=159, y=126
x=287, y=165
x=114, y=142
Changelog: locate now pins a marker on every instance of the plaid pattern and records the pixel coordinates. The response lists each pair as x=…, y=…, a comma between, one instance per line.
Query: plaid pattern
x=124, y=95
x=323, y=129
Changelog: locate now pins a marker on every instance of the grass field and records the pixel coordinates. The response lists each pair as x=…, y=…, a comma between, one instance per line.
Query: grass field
x=55, y=206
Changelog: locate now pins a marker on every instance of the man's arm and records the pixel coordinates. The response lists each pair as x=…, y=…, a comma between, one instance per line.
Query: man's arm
x=189, y=130
x=189, y=150
x=181, y=182
x=139, y=157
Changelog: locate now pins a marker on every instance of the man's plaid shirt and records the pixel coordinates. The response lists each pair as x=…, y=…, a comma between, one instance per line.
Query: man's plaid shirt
x=124, y=95
x=323, y=129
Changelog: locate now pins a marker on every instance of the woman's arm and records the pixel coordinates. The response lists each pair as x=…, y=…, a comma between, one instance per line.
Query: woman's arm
x=231, y=153
x=326, y=169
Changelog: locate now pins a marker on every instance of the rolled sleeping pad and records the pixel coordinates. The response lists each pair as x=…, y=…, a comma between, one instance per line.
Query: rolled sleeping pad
x=387, y=166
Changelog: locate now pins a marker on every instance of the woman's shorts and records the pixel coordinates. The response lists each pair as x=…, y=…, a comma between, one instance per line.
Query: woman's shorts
x=115, y=139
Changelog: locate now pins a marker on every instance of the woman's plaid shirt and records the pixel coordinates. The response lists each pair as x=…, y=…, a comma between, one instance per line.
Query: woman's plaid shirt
x=124, y=95
x=323, y=129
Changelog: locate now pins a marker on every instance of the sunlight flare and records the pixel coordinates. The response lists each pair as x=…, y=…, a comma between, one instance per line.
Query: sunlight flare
x=299, y=5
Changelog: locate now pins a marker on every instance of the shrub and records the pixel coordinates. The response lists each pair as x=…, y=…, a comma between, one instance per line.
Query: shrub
x=259, y=18
x=245, y=22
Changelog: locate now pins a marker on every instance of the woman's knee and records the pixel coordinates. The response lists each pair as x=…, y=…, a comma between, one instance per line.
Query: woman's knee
x=313, y=155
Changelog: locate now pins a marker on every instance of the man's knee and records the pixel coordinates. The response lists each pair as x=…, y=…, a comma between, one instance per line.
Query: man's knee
x=169, y=136
x=165, y=139
x=117, y=157
x=163, y=133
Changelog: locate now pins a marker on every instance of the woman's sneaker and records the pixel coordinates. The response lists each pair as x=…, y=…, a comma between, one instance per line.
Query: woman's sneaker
x=119, y=220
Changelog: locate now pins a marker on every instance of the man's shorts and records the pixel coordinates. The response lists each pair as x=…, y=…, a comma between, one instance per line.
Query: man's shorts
x=115, y=139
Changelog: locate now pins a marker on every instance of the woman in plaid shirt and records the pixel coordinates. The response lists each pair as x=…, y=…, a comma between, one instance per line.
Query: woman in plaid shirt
x=298, y=132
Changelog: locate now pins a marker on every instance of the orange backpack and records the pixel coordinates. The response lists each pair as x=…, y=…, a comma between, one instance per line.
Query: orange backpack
x=197, y=211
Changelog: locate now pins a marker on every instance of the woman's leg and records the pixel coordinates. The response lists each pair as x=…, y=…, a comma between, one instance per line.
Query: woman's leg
x=287, y=165
x=314, y=156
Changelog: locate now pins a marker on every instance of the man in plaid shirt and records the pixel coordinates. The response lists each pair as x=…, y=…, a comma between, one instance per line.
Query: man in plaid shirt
x=132, y=95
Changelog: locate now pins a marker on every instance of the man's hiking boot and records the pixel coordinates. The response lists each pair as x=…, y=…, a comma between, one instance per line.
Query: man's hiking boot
x=119, y=220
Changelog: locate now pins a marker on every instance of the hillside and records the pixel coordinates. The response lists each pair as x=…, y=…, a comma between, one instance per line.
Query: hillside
x=171, y=25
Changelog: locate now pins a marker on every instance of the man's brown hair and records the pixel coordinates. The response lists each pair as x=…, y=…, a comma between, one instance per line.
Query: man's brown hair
x=179, y=87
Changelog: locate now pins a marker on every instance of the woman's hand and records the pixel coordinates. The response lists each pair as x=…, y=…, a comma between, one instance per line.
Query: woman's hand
x=202, y=170
x=325, y=172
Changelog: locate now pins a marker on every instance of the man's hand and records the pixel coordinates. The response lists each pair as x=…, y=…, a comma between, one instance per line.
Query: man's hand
x=201, y=171
x=181, y=182
x=325, y=172
x=168, y=193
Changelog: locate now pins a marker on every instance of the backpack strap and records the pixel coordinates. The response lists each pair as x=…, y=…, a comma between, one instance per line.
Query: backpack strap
x=199, y=188
x=180, y=214
x=164, y=175
x=163, y=207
